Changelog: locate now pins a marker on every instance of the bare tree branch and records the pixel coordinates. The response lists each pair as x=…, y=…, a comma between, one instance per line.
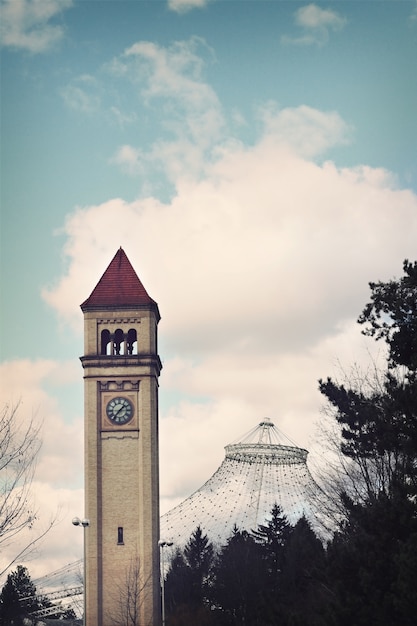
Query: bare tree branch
x=19, y=447
x=131, y=596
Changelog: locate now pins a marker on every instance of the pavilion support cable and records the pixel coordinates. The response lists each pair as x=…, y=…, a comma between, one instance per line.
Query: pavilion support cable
x=257, y=472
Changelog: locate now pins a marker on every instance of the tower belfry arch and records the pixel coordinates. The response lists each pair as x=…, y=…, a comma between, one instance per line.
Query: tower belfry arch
x=121, y=369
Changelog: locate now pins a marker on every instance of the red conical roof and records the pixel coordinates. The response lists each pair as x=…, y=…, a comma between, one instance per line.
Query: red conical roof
x=119, y=288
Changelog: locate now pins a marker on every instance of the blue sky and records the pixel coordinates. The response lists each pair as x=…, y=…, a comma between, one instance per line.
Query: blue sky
x=256, y=160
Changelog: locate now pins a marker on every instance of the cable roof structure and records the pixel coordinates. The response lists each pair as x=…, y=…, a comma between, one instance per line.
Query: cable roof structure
x=257, y=472
x=260, y=469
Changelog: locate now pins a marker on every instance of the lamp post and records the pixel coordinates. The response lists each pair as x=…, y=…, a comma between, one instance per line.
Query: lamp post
x=162, y=545
x=83, y=523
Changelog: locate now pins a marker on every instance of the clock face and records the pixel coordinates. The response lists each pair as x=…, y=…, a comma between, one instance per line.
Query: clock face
x=119, y=410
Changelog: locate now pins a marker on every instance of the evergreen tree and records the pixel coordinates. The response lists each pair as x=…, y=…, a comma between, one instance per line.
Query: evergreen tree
x=303, y=591
x=371, y=560
x=18, y=598
x=178, y=584
x=198, y=555
x=372, y=567
x=188, y=582
x=404, y=586
x=391, y=315
x=271, y=539
x=379, y=418
x=238, y=581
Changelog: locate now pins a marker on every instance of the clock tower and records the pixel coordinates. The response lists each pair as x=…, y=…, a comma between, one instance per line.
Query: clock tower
x=121, y=369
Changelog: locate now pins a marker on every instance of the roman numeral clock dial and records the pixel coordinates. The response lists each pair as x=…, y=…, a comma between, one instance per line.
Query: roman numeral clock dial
x=119, y=411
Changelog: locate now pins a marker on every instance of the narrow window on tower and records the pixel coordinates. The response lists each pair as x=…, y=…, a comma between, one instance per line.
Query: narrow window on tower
x=119, y=342
x=120, y=536
x=132, y=338
x=105, y=342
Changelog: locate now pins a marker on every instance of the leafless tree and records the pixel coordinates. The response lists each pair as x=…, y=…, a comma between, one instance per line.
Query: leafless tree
x=334, y=475
x=19, y=447
x=354, y=474
x=130, y=596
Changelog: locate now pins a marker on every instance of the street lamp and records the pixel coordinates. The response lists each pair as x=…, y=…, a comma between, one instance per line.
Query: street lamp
x=162, y=545
x=83, y=523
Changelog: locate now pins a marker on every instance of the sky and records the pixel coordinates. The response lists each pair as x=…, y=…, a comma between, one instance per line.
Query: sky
x=257, y=162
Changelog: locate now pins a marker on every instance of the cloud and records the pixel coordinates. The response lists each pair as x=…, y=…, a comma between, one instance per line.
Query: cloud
x=82, y=94
x=174, y=71
x=190, y=115
x=183, y=6
x=122, y=119
x=26, y=24
x=175, y=74
x=311, y=16
x=260, y=266
x=316, y=24
x=35, y=387
x=307, y=131
x=129, y=158
x=193, y=119
x=62, y=544
x=261, y=236
x=194, y=116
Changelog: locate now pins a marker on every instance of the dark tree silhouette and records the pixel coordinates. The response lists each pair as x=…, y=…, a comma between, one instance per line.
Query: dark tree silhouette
x=238, y=581
x=371, y=560
x=18, y=598
x=198, y=555
x=188, y=582
x=304, y=594
x=20, y=601
x=178, y=583
x=271, y=537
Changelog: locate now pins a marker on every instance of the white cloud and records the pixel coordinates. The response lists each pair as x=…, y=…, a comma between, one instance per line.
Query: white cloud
x=191, y=118
x=260, y=268
x=316, y=23
x=129, y=159
x=183, y=6
x=312, y=16
x=308, y=131
x=194, y=117
x=263, y=235
x=35, y=386
x=24, y=381
x=174, y=71
x=122, y=119
x=25, y=24
x=82, y=94
x=172, y=95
